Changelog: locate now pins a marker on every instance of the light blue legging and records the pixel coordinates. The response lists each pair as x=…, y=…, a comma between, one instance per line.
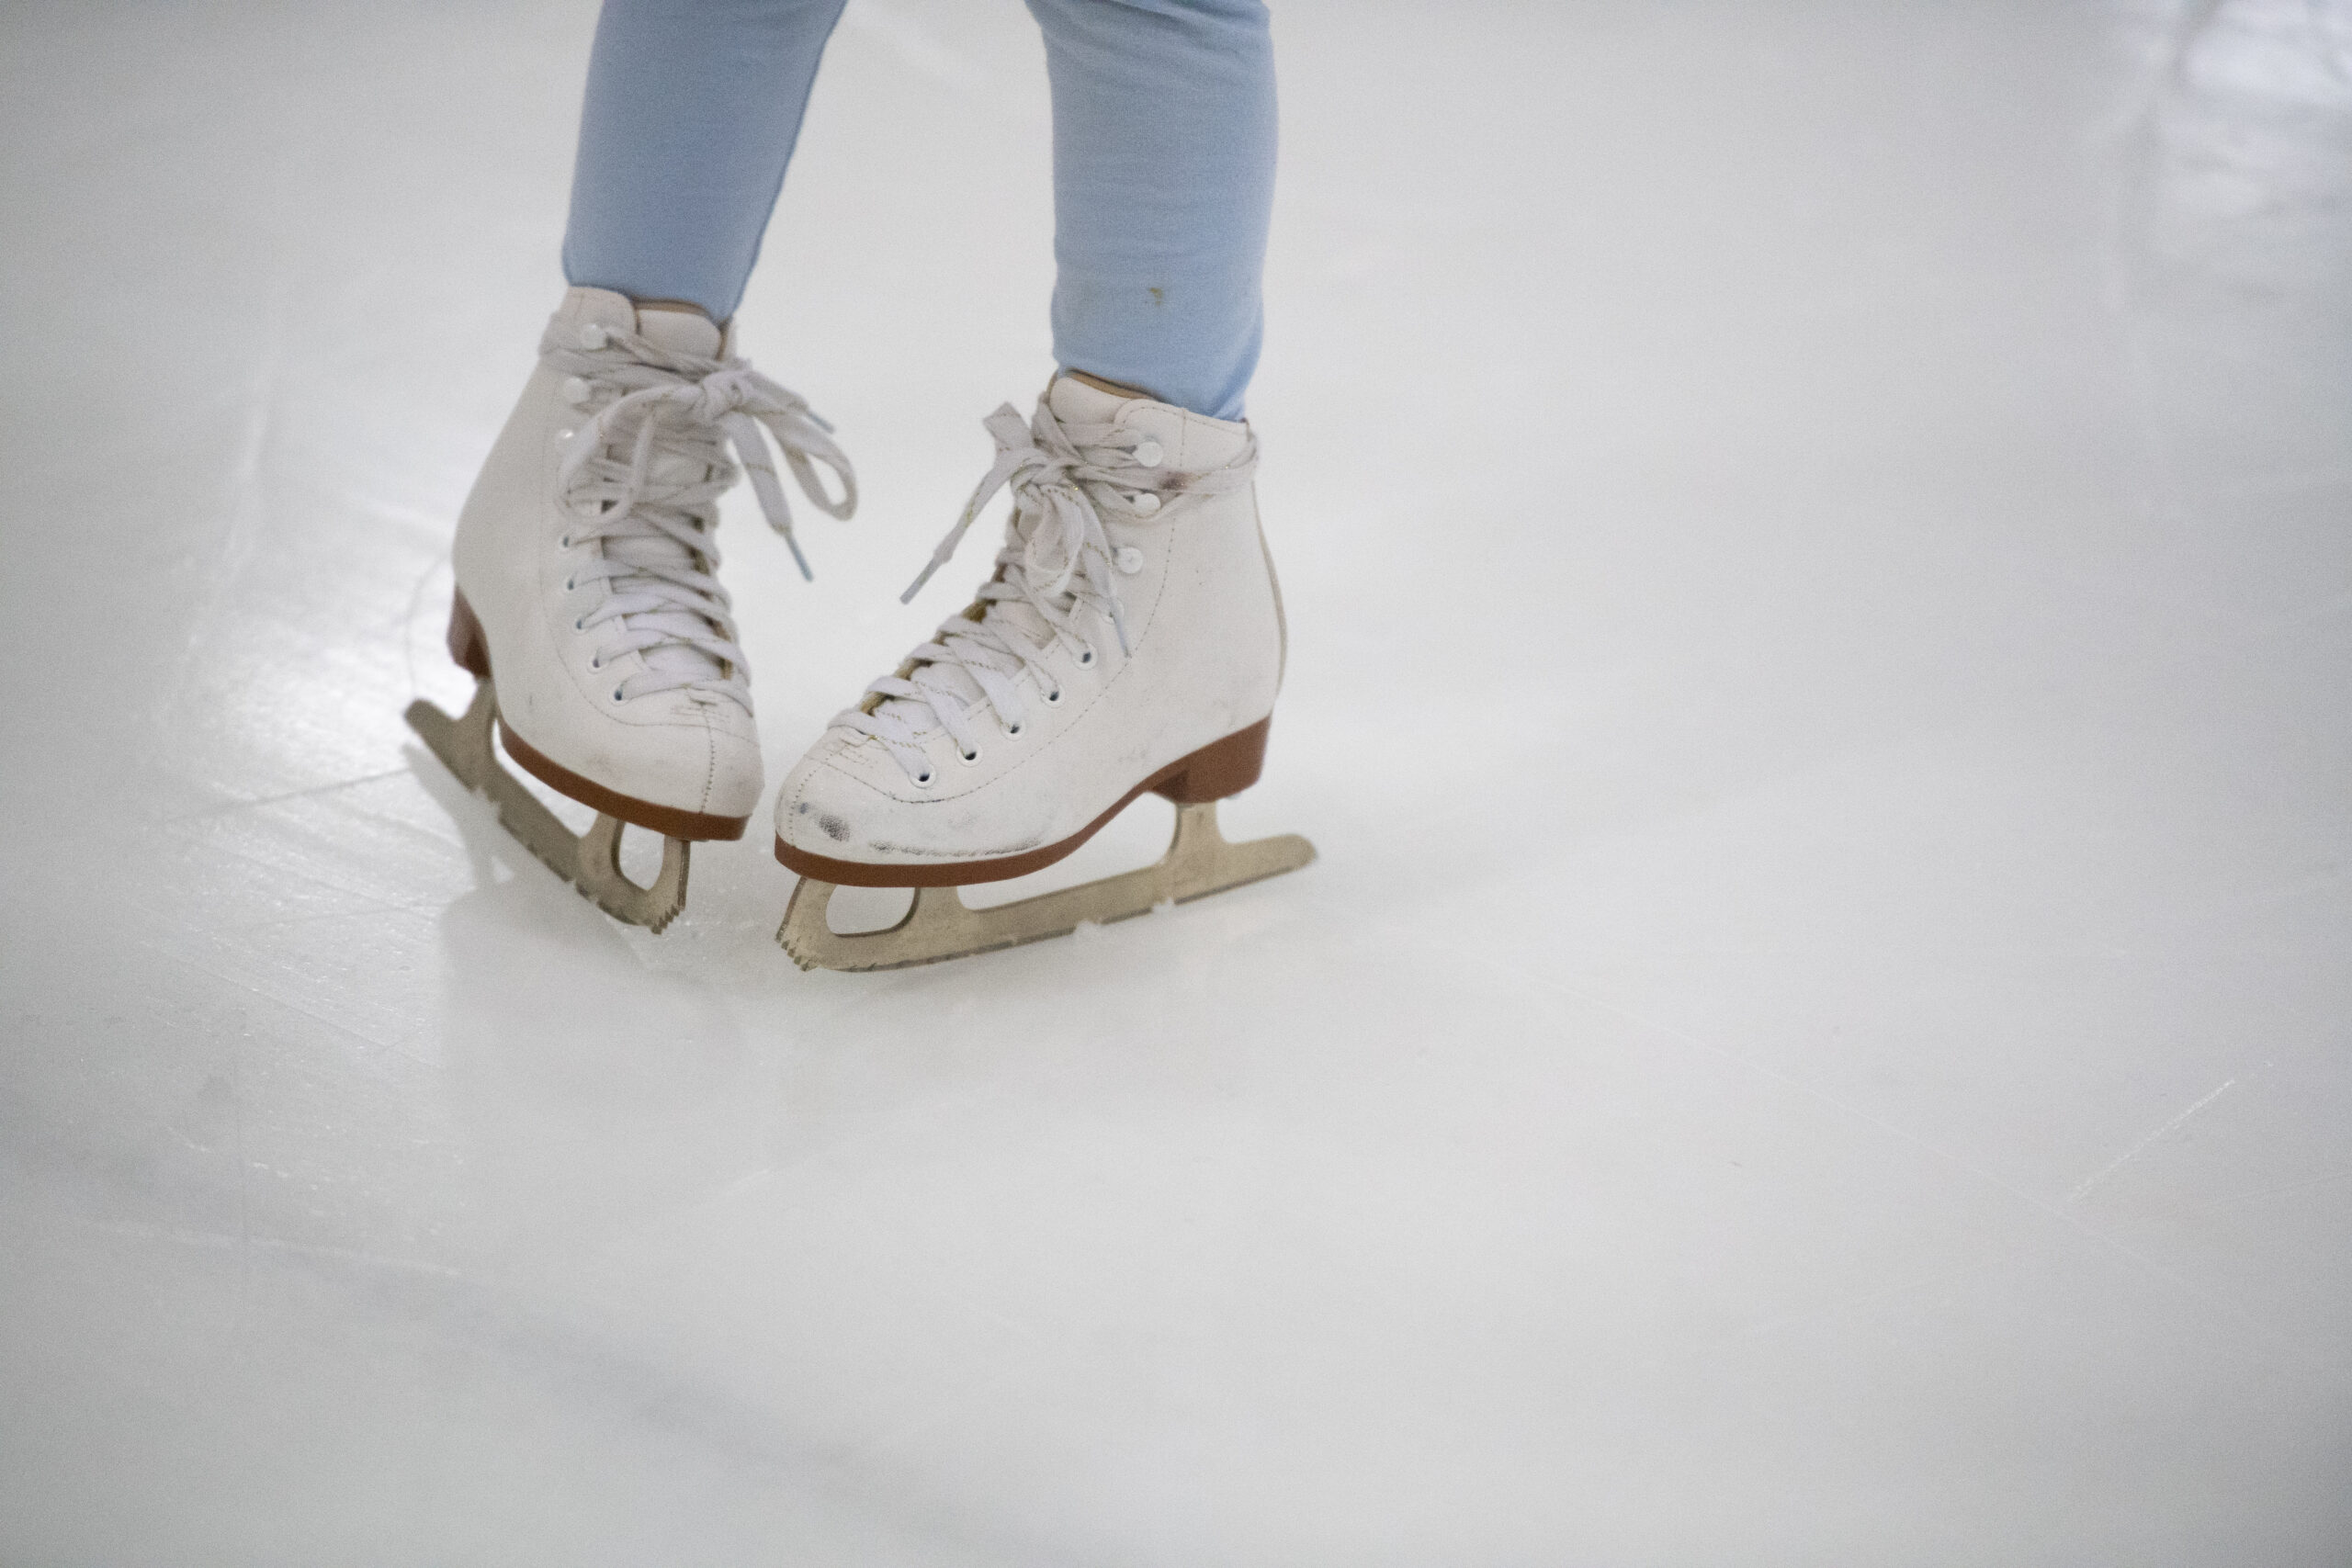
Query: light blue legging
x=1163, y=169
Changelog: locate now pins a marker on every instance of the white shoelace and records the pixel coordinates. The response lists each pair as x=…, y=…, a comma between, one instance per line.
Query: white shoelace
x=1056, y=559
x=675, y=414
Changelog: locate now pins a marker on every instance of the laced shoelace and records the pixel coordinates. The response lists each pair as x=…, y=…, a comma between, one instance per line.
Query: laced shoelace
x=674, y=414
x=1056, y=560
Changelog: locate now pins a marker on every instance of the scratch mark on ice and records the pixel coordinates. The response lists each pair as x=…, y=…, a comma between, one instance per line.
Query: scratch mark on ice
x=2136, y=1150
x=2062, y=1212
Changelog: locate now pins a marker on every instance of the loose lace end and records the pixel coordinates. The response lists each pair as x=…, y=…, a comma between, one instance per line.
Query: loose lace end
x=921, y=578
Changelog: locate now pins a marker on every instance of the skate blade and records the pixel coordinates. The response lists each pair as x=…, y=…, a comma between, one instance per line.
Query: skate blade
x=591, y=863
x=1199, y=861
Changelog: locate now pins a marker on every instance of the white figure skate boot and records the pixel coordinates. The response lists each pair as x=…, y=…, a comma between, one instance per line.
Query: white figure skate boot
x=1131, y=639
x=587, y=603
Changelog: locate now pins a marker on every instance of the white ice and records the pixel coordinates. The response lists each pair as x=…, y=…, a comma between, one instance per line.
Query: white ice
x=1818, y=540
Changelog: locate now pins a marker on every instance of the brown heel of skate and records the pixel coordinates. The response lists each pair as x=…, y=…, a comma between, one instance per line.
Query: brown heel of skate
x=590, y=861
x=940, y=925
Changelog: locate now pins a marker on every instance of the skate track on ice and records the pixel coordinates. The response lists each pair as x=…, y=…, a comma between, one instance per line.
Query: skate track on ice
x=1818, y=542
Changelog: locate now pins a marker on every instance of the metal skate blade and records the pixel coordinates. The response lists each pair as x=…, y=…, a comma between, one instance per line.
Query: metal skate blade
x=590, y=861
x=1199, y=861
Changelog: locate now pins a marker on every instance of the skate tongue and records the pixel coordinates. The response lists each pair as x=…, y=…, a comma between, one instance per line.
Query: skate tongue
x=680, y=329
x=1006, y=617
x=1072, y=401
x=1191, y=441
x=1075, y=402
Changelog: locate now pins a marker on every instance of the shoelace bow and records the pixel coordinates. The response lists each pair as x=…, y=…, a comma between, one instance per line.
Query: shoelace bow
x=681, y=411
x=1056, y=559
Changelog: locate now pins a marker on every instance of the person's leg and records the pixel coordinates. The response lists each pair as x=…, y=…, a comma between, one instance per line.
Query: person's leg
x=587, y=604
x=692, y=110
x=1130, y=637
x=1163, y=186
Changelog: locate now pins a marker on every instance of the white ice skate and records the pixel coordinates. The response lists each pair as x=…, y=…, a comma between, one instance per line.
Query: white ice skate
x=586, y=568
x=1131, y=639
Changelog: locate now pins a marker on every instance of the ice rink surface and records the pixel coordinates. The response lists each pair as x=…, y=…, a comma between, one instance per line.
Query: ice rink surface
x=1818, y=540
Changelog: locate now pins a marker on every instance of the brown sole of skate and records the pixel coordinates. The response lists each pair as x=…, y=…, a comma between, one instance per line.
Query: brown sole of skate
x=590, y=861
x=939, y=925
